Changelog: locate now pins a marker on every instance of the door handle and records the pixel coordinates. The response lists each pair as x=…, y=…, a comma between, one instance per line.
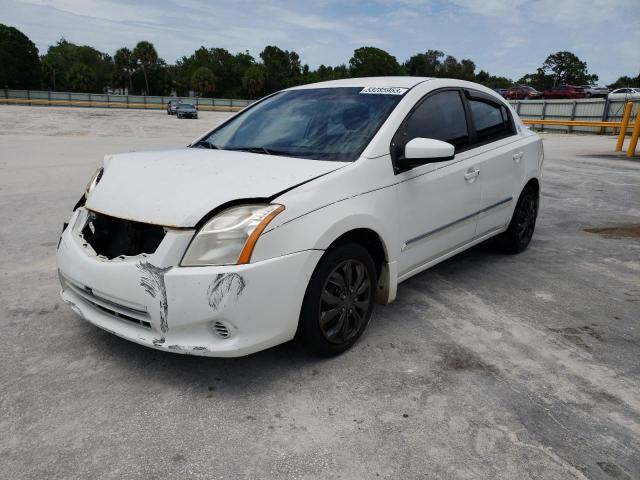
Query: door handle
x=471, y=174
x=517, y=157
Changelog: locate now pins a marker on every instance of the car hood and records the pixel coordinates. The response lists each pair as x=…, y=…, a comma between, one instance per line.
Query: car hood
x=177, y=188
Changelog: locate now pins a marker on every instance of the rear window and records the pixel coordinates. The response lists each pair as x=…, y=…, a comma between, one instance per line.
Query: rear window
x=492, y=121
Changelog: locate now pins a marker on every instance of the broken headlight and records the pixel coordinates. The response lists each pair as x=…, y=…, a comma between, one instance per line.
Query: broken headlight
x=230, y=236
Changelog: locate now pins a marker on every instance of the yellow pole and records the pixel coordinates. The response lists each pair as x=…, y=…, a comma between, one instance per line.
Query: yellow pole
x=625, y=124
x=634, y=136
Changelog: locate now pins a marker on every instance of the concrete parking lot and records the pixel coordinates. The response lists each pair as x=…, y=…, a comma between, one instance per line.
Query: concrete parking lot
x=487, y=366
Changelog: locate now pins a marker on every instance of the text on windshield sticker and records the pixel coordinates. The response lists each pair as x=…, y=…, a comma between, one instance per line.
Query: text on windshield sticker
x=384, y=90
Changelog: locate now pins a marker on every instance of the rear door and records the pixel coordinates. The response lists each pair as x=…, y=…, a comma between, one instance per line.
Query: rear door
x=499, y=156
x=437, y=202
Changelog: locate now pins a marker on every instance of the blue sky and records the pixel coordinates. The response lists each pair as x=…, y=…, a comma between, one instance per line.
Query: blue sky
x=505, y=37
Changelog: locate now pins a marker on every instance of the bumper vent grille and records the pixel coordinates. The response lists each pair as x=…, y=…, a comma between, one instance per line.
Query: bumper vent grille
x=221, y=329
x=122, y=316
x=122, y=312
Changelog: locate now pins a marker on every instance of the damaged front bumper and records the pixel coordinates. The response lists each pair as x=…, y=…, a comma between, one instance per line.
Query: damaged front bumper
x=221, y=311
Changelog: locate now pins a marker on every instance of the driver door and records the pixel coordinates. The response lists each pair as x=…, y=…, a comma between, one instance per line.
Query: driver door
x=437, y=202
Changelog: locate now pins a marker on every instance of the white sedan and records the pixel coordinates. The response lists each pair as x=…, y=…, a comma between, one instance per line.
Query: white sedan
x=295, y=216
x=625, y=94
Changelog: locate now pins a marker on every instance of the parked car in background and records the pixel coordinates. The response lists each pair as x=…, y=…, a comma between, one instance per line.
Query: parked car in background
x=564, y=91
x=172, y=105
x=595, y=91
x=293, y=217
x=522, y=92
x=625, y=94
x=500, y=91
x=186, y=110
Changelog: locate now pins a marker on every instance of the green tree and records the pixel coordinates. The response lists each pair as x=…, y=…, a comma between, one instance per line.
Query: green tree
x=282, y=68
x=492, y=81
x=537, y=80
x=254, y=81
x=625, y=81
x=242, y=62
x=146, y=57
x=19, y=62
x=203, y=81
x=426, y=64
x=565, y=68
x=62, y=56
x=123, y=67
x=80, y=77
x=371, y=61
x=227, y=69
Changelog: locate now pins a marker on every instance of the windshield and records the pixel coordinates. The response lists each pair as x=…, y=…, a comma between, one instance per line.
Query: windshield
x=321, y=123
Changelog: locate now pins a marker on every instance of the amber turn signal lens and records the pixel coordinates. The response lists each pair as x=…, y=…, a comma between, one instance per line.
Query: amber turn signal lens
x=245, y=255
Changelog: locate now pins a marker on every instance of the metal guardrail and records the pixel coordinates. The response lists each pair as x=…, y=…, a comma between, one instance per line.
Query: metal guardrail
x=574, y=115
x=104, y=100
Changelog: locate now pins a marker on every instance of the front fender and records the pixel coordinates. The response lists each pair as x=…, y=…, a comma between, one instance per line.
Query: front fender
x=318, y=229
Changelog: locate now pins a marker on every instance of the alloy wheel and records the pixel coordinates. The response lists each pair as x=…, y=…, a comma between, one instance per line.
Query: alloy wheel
x=344, y=302
x=526, y=220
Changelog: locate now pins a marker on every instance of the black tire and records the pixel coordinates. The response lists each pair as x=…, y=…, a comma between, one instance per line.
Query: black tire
x=334, y=315
x=523, y=222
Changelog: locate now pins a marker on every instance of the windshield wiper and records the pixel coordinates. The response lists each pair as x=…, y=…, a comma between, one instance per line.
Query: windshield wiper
x=205, y=144
x=264, y=150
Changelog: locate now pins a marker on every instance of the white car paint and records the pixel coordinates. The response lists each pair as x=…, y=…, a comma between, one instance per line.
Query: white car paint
x=624, y=94
x=213, y=177
x=422, y=216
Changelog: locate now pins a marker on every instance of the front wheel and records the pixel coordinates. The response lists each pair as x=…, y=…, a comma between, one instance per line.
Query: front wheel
x=518, y=235
x=338, y=302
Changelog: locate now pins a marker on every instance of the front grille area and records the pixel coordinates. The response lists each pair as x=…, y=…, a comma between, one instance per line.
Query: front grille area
x=137, y=315
x=114, y=237
x=122, y=316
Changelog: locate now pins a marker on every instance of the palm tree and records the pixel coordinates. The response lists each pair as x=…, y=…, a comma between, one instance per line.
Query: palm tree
x=124, y=66
x=146, y=56
x=203, y=81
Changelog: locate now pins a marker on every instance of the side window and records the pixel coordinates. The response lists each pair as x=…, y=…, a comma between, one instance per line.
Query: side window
x=491, y=121
x=441, y=116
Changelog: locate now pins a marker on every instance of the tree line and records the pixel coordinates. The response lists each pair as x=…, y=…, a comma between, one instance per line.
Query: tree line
x=209, y=72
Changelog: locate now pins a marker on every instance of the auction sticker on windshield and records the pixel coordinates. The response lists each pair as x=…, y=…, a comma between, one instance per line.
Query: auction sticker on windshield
x=384, y=90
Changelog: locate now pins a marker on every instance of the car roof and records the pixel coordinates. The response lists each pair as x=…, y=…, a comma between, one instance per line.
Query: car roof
x=402, y=82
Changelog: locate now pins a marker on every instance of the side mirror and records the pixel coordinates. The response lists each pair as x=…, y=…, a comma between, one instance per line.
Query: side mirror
x=421, y=151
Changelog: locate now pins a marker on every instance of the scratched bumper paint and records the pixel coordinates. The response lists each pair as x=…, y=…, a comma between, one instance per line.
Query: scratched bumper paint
x=176, y=307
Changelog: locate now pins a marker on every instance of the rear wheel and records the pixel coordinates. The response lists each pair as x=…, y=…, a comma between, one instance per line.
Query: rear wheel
x=518, y=235
x=339, y=300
